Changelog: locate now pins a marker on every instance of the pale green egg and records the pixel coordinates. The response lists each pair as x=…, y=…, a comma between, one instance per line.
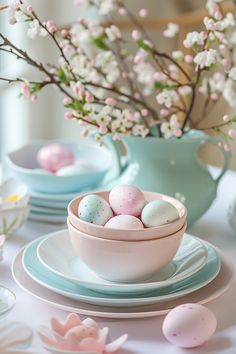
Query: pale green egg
x=94, y=209
x=158, y=212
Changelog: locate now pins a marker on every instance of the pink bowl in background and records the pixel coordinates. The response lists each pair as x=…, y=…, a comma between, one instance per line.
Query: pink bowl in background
x=122, y=261
x=128, y=235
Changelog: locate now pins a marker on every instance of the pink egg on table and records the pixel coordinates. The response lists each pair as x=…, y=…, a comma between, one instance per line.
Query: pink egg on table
x=53, y=157
x=189, y=325
x=126, y=199
x=125, y=222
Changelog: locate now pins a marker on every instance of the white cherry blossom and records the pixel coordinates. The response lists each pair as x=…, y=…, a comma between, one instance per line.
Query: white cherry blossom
x=232, y=74
x=167, y=97
x=172, y=30
x=206, y=58
x=193, y=38
x=35, y=30
x=113, y=33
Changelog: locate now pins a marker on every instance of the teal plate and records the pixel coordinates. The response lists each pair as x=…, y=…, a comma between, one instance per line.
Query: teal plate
x=57, y=254
x=40, y=274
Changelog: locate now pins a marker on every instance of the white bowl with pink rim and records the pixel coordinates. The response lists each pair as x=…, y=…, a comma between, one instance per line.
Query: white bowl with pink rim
x=122, y=261
x=128, y=235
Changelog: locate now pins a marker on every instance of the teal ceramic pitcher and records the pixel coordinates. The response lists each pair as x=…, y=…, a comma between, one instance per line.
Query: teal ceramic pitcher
x=171, y=166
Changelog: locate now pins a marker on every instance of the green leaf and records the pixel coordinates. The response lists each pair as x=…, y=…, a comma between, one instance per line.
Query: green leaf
x=34, y=88
x=160, y=85
x=234, y=119
x=141, y=43
x=62, y=76
x=100, y=43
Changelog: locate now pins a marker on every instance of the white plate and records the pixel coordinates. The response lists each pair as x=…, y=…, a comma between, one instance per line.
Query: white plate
x=55, y=219
x=57, y=254
x=210, y=292
x=36, y=270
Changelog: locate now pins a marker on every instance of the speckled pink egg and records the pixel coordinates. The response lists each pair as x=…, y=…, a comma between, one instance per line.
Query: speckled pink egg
x=53, y=157
x=127, y=200
x=125, y=222
x=189, y=325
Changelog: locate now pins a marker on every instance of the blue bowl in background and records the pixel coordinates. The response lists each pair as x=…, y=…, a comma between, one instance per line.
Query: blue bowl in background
x=22, y=164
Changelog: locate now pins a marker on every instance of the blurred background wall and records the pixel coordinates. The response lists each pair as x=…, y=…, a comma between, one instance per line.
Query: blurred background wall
x=22, y=121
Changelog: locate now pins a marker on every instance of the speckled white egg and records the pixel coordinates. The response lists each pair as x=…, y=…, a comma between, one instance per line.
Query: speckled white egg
x=189, y=325
x=127, y=200
x=72, y=170
x=158, y=212
x=125, y=222
x=94, y=209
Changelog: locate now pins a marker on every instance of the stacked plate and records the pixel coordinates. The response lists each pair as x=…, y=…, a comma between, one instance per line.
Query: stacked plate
x=49, y=207
x=49, y=269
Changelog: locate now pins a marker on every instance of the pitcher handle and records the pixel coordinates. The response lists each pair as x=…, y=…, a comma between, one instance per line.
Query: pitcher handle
x=215, y=141
x=115, y=170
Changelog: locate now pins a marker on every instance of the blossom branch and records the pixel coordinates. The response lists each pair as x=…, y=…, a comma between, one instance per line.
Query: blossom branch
x=56, y=43
x=21, y=54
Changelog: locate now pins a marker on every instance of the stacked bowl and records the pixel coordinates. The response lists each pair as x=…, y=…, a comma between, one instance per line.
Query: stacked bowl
x=51, y=192
x=126, y=255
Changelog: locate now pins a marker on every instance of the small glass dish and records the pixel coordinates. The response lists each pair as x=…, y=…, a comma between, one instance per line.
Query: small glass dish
x=7, y=301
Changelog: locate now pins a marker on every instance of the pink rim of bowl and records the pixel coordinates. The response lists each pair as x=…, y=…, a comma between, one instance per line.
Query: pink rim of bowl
x=128, y=235
x=122, y=261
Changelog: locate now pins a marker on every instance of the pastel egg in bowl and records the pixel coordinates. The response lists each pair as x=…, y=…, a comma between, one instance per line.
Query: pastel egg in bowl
x=123, y=261
x=128, y=234
x=23, y=164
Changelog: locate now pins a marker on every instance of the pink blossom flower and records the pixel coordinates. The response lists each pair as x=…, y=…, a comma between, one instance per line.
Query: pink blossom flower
x=164, y=112
x=188, y=58
x=122, y=11
x=84, y=132
x=64, y=33
x=89, y=97
x=144, y=112
x=143, y=12
x=29, y=8
x=26, y=90
x=110, y=101
x=34, y=98
x=226, y=118
x=103, y=129
x=12, y=20
x=67, y=100
x=232, y=133
x=214, y=96
x=68, y=115
x=136, y=35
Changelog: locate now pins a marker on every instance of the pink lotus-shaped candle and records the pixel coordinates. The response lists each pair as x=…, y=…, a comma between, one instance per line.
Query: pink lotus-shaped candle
x=76, y=336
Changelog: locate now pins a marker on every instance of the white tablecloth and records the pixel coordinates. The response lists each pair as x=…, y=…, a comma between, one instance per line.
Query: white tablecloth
x=145, y=335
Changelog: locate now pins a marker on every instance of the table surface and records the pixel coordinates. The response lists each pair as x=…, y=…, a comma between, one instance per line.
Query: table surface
x=145, y=335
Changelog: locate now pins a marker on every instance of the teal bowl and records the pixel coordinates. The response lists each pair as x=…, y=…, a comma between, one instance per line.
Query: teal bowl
x=22, y=164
